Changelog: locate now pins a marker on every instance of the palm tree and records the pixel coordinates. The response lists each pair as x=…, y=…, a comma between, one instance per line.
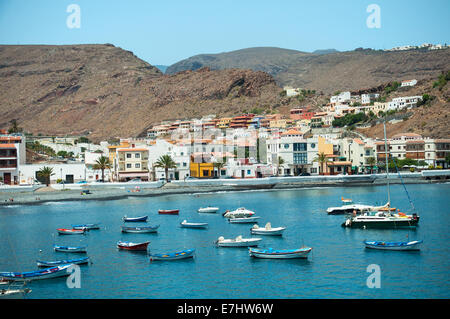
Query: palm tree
x=219, y=166
x=371, y=161
x=280, y=163
x=46, y=172
x=102, y=163
x=322, y=159
x=166, y=162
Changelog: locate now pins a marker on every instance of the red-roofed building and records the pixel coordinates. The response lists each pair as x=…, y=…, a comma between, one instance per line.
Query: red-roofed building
x=12, y=155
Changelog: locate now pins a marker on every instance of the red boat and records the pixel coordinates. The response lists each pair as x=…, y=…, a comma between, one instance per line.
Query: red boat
x=169, y=211
x=132, y=246
x=64, y=231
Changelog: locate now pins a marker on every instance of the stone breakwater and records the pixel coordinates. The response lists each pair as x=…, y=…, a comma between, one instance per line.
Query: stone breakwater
x=22, y=195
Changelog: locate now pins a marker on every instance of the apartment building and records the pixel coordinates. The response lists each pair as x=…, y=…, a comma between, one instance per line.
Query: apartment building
x=132, y=163
x=12, y=156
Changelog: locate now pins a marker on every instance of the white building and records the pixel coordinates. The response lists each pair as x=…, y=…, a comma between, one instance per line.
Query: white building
x=12, y=157
x=409, y=83
x=179, y=152
x=367, y=98
x=400, y=103
x=341, y=97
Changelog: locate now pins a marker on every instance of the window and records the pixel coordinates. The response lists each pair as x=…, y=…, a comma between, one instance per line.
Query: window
x=299, y=147
x=137, y=155
x=313, y=145
x=248, y=172
x=286, y=146
x=128, y=165
x=137, y=165
x=313, y=170
x=300, y=158
x=128, y=155
x=184, y=164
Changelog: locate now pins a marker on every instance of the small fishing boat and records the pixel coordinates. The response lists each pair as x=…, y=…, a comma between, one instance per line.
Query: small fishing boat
x=238, y=242
x=47, y=273
x=68, y=249
x=186, y=224
x=240, y=212
x=280, y=254
x=168, y=211
x=188, y=253
x=87, y=226
x=267, y=230
x=134, y=219
x=65, y=231
x=132, y=246
x=146, y=229
x=243, y=220
x=383, y=245
x=78, y=261
x=208, y=209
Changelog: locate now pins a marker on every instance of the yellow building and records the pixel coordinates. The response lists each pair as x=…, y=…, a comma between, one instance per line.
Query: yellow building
x=132, y=163
x=224, y=122
x=280, y=123
x=201, y=166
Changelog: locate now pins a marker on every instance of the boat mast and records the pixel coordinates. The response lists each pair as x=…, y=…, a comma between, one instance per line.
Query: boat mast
x=387, y=167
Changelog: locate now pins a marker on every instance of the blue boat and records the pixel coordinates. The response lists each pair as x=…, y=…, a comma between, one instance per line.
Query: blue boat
x=135, y=219
x=78, y=261
x=402, y=245
x=87, y=226
x=280, y=254
x=146, y=229
x=68, y=249
x=52, y=272
x=188, y=253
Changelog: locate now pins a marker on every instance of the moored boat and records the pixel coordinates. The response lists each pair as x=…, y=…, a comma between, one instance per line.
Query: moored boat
x=168, y=211
x=240, y=212
x=243, y=220
x=237, y=242
x=87, y=226
x=65, y=231
x=402, y=246
x=134, y=219
x=208, y=209
x=186, y=224
x=47, y=273
x=146, y=229
x=77, y=261
x=280, y=254
x=68, y=249
x=267, y=230
x=381, y=219
x=188, y=253
x=14, y=290
x=132, y=246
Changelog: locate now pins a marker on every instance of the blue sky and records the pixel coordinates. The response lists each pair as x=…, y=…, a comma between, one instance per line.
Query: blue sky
x=164, y=32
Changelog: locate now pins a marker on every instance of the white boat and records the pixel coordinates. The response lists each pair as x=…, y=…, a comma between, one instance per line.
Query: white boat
x=280, y=254
x=208, y=209
x=267, y=230
x=240, y=212
x=14, y=290
x=238, y=242
x=68, y=249
x=243, y=220
x=383, y=245
x=186, y=224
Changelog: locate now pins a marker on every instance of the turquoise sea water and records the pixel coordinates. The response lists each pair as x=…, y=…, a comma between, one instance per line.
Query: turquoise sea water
x=336, y=268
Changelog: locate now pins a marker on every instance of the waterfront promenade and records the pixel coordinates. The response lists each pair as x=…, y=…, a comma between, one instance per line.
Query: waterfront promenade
x=38, y=194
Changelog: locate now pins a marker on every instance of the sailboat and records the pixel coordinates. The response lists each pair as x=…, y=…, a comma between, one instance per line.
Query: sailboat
x=383, y=217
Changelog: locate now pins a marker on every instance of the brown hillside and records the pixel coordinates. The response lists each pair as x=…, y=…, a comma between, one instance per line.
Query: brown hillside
x=104, y=91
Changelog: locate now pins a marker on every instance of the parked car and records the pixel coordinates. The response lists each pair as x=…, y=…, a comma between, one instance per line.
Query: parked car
x=305, y=174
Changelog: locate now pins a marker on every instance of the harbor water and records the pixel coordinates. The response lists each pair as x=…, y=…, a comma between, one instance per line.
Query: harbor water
x=337, y=267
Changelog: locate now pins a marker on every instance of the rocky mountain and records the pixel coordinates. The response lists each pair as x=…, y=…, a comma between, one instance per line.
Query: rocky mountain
x=103, y=91
x=330, y=72
x=162, y=68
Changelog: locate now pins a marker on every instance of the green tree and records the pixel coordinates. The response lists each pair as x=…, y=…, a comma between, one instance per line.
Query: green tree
x=322, y=159
x=371, y=161
x=45, y=173
x=280, y=163
x=166, y=162
x=102, y=163
x=219, y=166
x=14, y=128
